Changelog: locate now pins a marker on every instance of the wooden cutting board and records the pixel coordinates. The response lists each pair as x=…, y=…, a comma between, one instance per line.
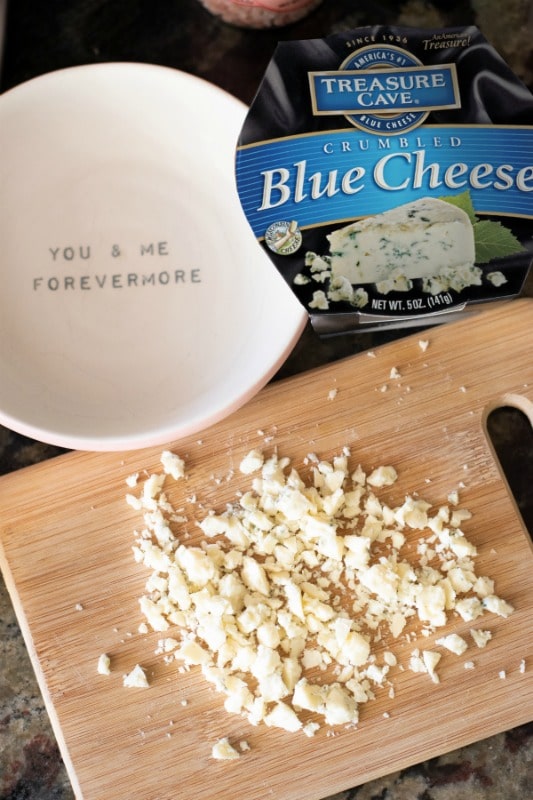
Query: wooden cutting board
x=67, y=532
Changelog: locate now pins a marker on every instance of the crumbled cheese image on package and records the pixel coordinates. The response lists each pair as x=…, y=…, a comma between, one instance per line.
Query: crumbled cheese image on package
x=428, y=240
x=291, y=599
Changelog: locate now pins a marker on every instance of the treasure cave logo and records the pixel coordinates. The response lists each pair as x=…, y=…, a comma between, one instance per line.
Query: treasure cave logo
x=384, y=89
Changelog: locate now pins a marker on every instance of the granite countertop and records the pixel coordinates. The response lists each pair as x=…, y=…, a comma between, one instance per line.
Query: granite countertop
x=41, y=37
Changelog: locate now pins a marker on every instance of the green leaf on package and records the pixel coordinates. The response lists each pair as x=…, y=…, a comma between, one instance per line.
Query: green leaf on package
x=464, y=202
x=491, y=239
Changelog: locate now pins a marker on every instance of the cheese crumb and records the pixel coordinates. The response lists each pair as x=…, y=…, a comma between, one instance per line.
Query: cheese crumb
x=311, y=728
x=319, y=301
x=252, y=462
x=173, y=465
x=456, y=644
x=136, y=678
x=423, y=345
x=104, y=664
x=431, y=659
x=497, y=606
x=481, y=638
x=497, y=278
x=224, y=751
x=382, y=476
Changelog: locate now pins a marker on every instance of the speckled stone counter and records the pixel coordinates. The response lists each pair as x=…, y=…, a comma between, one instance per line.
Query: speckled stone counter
x=41, y=37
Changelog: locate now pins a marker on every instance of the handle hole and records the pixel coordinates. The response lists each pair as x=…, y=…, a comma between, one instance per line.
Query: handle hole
x=511, y=434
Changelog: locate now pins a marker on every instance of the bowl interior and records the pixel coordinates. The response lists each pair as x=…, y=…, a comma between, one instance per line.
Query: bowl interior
x=136, y=304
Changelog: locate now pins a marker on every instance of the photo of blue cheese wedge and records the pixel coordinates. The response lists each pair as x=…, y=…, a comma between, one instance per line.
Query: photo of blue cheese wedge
x=420, y=239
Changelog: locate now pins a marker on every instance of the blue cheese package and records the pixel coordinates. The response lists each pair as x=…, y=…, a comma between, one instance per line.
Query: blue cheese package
x=388, y=174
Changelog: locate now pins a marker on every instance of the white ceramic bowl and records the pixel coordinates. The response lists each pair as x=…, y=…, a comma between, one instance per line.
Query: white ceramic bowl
x=135, y=304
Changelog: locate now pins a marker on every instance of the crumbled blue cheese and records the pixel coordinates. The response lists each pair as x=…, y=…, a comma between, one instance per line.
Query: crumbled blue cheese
x=104, y=664
x=132, y=479
x=496, y=605
x=338, y=290
x=382, y=476
x=360, y=298
x=452, y=277
x=481, y=638
x=252, y=462
x=319, y=301
x=173, y=465
x=317, y=264
x=136, y=678
x=417, y=240
x=431, y=659
x=222, y=750
x=497, y=278
x=453, y=642
x=257, y=606
x=397, y=282
x=426, y=662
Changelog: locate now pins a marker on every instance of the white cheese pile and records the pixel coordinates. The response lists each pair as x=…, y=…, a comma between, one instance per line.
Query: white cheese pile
x=285, y=601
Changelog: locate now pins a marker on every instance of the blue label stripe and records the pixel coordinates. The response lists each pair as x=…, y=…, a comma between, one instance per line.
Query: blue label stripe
x=340, y=175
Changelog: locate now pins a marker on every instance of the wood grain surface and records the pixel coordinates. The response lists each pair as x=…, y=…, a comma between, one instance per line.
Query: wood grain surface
x=66, y=534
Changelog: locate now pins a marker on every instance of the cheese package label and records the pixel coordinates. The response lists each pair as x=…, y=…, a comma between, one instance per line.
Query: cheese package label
x=388, y=174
